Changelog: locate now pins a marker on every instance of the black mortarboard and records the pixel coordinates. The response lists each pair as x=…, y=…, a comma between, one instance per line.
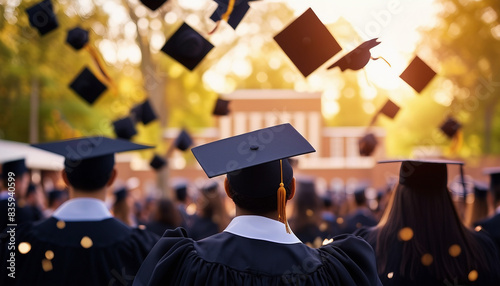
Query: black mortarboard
x=124, y=128
x=77, y=38
x=42, y=17
x=357, y=58
x=183, y=141
x=120, y=194
x=494, y=173
x=181, y=191
x=424, y=174
x=157, y=162
x=390, y=109
x=144, y=112
x=367, y=144
x=87, y=86
x=187, y=47
x=418, y=74
x=153, y=4
x=450, y=127
x=480, y=189
x=89, y=160
x=307, y=42
x=221, y=107
x=239, y=10
x=16, y=167
x=251, y=149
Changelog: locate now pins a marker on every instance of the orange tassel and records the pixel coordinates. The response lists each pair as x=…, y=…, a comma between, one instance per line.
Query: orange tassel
x=103, y=75
x=225, y=16
x=282, y=202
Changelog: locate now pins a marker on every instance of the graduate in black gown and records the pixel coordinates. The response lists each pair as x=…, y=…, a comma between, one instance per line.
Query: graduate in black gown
x=15, y=176
x=81, y=243
x=421, y=240
x=492, y=224
x=257, y=248
x=361, y=216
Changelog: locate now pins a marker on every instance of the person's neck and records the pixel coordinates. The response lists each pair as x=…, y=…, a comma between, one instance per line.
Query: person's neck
x=271, y=215
x=99, y=194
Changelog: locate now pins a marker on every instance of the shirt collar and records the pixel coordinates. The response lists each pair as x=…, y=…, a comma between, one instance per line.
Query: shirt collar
x=82, y=209
x=261, y=228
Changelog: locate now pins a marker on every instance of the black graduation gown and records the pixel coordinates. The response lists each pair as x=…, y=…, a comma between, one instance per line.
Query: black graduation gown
x=485, y=278
x=22, y=215
x=229, y=259
x=116, y=253
x=492, y=227
x=202, y=227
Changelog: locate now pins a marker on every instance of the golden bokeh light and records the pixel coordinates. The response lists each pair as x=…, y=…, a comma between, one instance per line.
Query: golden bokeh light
x=86, y=242
x=61, y=224
x=455, y=250
x=473, y=275
x=46, y=265
x=49, y=254
x=427, y=259
x=405, y=234
x=24, y=247
x=390, y=275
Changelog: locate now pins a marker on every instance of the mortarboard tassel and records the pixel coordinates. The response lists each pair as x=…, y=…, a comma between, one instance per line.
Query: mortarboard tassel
x=95, y=56
x=282, y=201
x=457, y=142
x=382, y=59
x=225, y=16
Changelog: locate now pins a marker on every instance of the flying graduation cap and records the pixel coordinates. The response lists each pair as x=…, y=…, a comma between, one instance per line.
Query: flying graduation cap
x=124, y=128
x=367, y=144
x=87, y=86
x=157, y=162
x=221, y=107
x=183, y=141
x=77, y=38
x=357, y=58
x=390, y=109
x=418, y=74
x=235, y=16
x=187, y=47
x=42, y=17
x=450, y=127
x=307, y=42
x=143, y=112
x=153, y=4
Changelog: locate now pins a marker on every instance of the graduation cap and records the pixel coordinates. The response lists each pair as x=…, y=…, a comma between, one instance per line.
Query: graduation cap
x=480, y=189
x=124, y=128
x=450, y=127
x=157, y=162
x=187, y=46
x=367, y=144
x=357, y=58
x=494, y=173
x=89, y=160
x=144, y=112
x=221, y=107
x=180, y=191
x=418, y=74
x=239, y=11
x=77, y=38
x=390, y=109
x=153, y=4
x=42, y=17
x=87, y=86
x=183, y=141
x=16, y=167
x=307, y=42
x=255, y=162
x=424, y=174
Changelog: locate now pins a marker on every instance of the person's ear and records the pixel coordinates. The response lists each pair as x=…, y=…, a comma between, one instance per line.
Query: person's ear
x=227, y=187
x=64, y=176
x=292, y=189
x=111, y=178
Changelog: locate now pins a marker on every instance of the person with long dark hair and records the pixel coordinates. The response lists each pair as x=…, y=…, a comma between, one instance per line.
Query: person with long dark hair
x=421, y=240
